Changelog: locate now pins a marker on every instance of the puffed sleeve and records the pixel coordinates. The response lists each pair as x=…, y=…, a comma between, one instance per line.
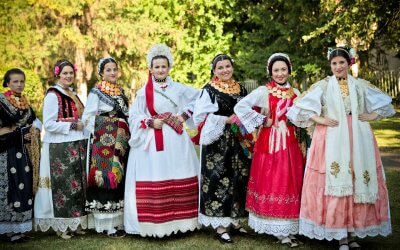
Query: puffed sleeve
x=250, y=118
x=213, y=124
x=37, y=124
x=306, y=107
x=50, y=116
x=188, y=101
x=90, y=112
x=379, y=102
x=138, y=114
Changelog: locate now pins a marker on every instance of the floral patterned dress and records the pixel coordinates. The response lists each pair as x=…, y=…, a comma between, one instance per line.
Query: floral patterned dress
x=224, y=165
x=60, y=199
x=105, y=117
x=16, y=170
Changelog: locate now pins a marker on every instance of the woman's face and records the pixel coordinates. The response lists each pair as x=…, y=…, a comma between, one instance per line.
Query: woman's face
x=110, y=72
x=17, y=83
x=339, y=67
x=66, y=76
x=280, y=72
x=224, y=70
x=160, y=69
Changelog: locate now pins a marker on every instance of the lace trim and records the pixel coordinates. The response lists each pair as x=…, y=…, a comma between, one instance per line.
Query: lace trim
x=311, y=230
x=385, y=112
x=212, y=132
x=166, y=229
x=60, y=224
x=252, y=122
x=218, y=221
x=301, y=120
x=274, y=227
x=108, y=224
x=6, y=227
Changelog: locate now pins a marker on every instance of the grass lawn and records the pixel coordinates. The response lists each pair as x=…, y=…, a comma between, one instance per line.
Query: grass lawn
x=387, y=132
x=203, y=239
x=388, y=135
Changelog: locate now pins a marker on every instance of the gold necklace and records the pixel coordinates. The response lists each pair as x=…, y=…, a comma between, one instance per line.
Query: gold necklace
x=18, y=101
x=228, y=87
x=344, y=88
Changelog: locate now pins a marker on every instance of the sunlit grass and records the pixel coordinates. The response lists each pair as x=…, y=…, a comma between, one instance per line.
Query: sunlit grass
x=387, y=132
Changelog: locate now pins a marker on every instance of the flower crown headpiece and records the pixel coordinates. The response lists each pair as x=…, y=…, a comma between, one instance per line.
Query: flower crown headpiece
x=276, y=55
x=57, y=69
x=215, y=58
x=102, y=60
x=159, y=50
x=349, y=51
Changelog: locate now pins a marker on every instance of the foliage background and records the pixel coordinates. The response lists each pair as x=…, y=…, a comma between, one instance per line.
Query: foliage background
x=34, y=34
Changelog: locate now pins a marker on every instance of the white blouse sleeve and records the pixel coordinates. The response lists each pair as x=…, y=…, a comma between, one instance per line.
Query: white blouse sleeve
x=138, y=114
x=214, y=125
x=50, y=116
x=306, y=107
x=378, y=102
x=90, y=112
x=250, y=118
x=189, y=96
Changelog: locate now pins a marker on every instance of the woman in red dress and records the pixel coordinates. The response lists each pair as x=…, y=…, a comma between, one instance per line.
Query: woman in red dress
x=273, y=195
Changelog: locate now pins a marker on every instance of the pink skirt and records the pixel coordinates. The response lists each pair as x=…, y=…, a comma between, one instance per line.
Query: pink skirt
x=329, y=217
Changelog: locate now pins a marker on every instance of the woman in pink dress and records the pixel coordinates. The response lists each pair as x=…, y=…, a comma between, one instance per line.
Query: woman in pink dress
x=344, y=193
x=273, y=195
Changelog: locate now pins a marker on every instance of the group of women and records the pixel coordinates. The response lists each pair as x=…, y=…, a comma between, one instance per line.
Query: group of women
x=120, y=169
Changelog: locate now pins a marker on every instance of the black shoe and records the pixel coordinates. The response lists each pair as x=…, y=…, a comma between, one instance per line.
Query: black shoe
x=117, y=234
x=223, y=240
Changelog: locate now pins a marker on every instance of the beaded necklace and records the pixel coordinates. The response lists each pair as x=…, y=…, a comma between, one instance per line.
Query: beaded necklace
x=111, y=89
x=228, y=87
x=280, y=92
x=17, y=100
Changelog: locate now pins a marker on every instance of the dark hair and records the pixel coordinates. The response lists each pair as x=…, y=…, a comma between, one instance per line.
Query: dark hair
x=158, y=57
x=279, y=58
x=7, y=75
x=218, y=58
x=60, y=64
x=340, y=51
x=103, y=63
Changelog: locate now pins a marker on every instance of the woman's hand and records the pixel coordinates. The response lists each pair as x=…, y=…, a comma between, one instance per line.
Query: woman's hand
x=268, y=123
x=157, y=123
x=6, y=130
x=230, y=119
x=79, y=126
x=365, y=117
x=325, y=121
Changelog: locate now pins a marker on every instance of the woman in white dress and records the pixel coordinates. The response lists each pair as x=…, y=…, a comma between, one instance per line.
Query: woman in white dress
x=60, y=200
x=161, y=193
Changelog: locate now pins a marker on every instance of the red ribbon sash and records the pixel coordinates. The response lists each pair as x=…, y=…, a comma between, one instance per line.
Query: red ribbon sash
x=150, y=105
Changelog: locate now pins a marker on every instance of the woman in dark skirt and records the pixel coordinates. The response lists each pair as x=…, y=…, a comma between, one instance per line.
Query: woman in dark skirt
x=19, y=131
x=224, y=165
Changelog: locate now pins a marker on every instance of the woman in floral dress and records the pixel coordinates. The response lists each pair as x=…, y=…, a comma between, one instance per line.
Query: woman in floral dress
x=224, y=165
x=60, y=199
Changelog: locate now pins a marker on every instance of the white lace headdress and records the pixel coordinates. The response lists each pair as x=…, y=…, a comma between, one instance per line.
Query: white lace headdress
x=159, y=50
